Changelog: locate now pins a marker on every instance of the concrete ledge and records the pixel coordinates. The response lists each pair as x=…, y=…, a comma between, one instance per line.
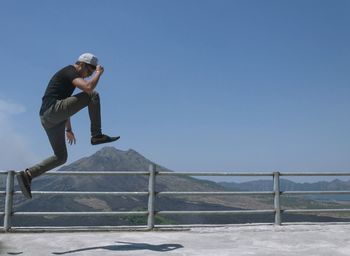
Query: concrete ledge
x=297, y=239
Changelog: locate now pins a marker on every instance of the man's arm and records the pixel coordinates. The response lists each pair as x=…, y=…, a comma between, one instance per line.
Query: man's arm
x=68, y=125
x=89, y=86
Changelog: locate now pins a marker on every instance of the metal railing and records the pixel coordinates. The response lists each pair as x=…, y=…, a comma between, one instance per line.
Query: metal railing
x=152, y=196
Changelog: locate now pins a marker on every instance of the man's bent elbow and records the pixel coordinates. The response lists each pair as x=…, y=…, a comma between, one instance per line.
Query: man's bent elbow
x=88, y=90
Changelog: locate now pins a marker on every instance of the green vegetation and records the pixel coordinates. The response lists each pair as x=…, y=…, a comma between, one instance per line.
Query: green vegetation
x=142, y=220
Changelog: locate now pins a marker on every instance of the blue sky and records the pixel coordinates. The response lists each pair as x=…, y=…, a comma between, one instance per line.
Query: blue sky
x=192, y=85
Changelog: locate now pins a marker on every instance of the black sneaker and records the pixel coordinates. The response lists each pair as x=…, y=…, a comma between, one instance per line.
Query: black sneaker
x=24, y=182
x=99, y=139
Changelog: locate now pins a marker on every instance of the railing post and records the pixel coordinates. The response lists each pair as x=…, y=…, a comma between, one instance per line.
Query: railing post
x=151, y=196
x=9, y=200
x=277, y=205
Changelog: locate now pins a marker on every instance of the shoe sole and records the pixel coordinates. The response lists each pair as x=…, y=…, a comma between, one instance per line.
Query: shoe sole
x=23, y=188
x=106, y=141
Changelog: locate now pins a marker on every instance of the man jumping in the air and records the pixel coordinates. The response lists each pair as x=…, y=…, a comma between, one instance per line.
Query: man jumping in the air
x=58, y=106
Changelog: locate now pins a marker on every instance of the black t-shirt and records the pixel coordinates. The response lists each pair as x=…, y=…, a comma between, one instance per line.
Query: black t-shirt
x=59, y=87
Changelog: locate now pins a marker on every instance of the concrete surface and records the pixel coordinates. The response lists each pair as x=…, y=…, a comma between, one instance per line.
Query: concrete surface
x=309, y=239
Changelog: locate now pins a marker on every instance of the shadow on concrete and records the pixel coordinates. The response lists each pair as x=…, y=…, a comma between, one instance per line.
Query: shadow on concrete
x=127, y=246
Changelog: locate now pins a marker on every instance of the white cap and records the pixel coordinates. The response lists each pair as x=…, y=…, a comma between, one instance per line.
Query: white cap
x=88, y=58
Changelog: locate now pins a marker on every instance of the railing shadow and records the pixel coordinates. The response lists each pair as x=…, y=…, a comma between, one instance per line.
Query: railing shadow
x=128, y=246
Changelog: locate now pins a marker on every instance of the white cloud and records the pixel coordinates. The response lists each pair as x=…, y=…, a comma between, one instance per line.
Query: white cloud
x=14, y=151
x=9, y=108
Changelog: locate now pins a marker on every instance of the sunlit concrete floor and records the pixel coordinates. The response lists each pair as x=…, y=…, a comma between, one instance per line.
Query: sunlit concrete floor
x=296, y=239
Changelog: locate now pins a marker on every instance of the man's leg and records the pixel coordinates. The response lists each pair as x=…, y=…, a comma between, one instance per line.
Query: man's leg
x=70, y=106
x=54, y=123
x=95, y=114
x=57, y=140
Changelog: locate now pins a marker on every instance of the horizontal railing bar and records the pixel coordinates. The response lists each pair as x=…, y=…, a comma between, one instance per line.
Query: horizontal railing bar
x=79, y=213
x=195, y=193
x=213, y=212
x=75, y=193
x=98, y=173
x=182, y=193
x=193, y=173
x=342, y=192
x=91, y=173
x=315, y=174
x=40, y=229
x=216, y=173
x=315, y=210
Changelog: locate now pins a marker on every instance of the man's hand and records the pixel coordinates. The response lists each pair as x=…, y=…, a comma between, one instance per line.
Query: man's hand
x=70, y=137
x=100, y=69
x=89, y=85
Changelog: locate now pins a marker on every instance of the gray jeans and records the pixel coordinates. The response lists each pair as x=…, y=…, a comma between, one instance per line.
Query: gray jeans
x=54, y=121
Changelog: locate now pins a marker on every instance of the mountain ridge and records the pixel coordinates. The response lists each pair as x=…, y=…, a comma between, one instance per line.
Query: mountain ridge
x=287, y=185
x=112, y=159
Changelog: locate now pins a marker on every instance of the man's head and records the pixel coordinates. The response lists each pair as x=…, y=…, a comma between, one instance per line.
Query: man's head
x=87, y=63
x=88, y=58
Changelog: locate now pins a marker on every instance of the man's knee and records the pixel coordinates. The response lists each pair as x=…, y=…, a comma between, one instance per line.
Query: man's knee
x=62, y=158
x=94, y=96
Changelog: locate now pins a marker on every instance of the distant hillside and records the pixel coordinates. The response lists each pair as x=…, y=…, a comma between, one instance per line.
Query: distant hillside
x=287, y=185
x=112, y=159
